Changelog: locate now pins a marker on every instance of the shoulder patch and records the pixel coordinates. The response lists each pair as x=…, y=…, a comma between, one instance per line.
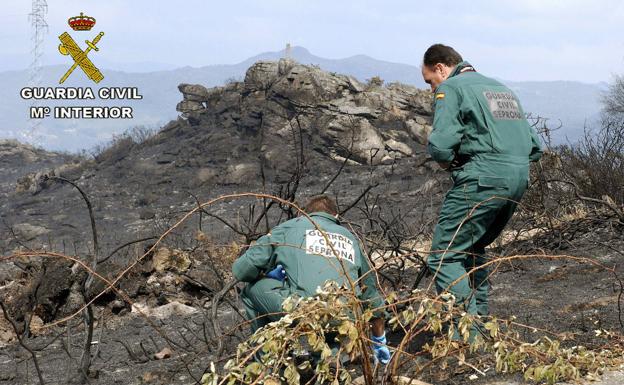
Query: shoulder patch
x=440, y=95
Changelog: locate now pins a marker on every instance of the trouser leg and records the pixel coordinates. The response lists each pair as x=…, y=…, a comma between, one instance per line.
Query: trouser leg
x=465, y=219
x=480, y=278
x=263, y=302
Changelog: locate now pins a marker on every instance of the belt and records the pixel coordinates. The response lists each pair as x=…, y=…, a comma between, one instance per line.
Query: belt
x=493, y=157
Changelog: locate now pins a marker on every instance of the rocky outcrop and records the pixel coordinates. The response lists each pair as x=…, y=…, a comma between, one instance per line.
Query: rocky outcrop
x=368, y=123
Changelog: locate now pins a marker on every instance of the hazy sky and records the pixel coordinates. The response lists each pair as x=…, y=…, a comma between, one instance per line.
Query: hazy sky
x=513, y=40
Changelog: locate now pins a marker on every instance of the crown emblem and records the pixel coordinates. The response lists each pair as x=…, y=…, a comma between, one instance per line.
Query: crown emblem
x=81, y=23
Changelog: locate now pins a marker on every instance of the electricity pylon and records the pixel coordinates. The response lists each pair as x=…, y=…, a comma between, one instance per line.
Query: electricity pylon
x=39, y=29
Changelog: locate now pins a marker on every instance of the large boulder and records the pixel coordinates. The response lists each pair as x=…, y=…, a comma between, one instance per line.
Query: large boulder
x=261, y=76
x=193, y=92
x=339, y=115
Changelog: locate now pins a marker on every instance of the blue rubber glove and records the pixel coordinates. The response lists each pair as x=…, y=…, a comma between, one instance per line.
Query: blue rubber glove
x=278, y=273
x=382, y=353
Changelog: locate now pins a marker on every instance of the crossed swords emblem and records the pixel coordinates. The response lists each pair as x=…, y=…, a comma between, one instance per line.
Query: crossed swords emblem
x=68, y=46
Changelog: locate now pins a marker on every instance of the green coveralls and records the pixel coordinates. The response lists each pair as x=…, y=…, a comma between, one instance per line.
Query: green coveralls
x=480, y=127
x=308, y=261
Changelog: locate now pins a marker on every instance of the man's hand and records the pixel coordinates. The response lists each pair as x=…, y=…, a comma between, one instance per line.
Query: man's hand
x=444, y=165
x=278, y=273
x=382, y=353
x=455, y=163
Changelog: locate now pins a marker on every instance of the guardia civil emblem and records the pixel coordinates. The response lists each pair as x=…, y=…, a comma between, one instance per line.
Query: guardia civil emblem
x=69, y=47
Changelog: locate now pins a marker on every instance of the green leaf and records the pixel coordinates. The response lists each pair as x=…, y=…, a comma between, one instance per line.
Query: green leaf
x=253, y=370
x=210, y=379
x=292, y=375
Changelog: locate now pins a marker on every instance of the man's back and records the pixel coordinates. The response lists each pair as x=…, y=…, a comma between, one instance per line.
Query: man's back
x=314, y=255
x=477, y=115
x=311, y=254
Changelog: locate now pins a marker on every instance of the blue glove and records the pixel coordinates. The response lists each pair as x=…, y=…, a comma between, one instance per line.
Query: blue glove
x=382, y=353
x=278, y=273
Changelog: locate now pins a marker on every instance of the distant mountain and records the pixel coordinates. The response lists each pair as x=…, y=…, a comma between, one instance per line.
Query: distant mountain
x=566, y=104
x=12, y=62
x=573, y=103
x=361, y=67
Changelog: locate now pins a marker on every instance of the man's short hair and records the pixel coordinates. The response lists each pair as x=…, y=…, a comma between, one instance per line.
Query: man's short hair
x=440, y=53
x=321, y=203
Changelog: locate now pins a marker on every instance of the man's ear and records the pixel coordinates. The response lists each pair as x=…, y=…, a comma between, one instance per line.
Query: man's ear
x=442, y=69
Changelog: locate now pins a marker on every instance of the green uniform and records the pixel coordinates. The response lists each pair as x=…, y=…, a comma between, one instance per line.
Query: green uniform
x=480, y=127
x=309, y=262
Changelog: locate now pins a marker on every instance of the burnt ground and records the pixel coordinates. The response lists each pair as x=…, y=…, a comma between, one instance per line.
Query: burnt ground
x=138, y=190
x=557, y=295
x=567, y=297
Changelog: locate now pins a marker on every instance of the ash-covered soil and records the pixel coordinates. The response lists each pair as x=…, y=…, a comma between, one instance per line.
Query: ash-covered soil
x=556, y=295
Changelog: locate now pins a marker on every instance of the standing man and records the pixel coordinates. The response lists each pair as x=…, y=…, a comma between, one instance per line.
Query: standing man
x=295, y=258
x=480, y=134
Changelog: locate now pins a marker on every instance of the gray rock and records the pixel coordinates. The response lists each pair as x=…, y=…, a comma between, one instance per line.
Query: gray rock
x=28, y=232
x=261, y=76
x=187, y=107
x=363, y=111
x=117, y=306
x=164, y=312
x=205, y=174
x=355, y=85
x=399, y=147
x=420, y=132
x=193, y=92
x=241, y=173
x=284, y=66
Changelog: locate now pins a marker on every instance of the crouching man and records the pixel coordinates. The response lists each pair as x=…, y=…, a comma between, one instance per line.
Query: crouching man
x=295, y=259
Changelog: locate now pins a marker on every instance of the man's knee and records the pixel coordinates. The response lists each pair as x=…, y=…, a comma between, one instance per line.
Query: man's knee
x=265, y=296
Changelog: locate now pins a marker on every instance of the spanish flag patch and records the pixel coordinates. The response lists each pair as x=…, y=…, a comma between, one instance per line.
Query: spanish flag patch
x=439, y=95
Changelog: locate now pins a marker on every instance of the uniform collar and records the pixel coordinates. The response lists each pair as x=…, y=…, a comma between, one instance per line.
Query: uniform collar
x=325, y=215
x=461, y=68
